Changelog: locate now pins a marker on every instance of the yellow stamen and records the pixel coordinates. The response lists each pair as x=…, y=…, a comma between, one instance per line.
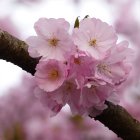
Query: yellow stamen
x=93, y=42
x=53, y=42
x=53, y=75
x=104, y=68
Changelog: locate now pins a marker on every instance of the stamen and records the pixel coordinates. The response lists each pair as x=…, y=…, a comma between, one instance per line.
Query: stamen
x=104, y=68
x=53, y=42
x=93, y=42
x=53, y=75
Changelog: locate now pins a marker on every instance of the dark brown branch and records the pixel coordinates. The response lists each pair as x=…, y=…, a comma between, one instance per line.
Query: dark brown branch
x=15, y=51
x=114, y=117
x=117, y=119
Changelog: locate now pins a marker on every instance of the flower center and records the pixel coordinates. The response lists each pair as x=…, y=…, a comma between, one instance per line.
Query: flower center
x=53, y=42
x=104, y=68
x=93, y=42
x=54, y=74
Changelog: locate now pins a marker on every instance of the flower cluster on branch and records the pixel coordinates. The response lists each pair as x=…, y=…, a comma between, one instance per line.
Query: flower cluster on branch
x=82, y=69
x=114, y=117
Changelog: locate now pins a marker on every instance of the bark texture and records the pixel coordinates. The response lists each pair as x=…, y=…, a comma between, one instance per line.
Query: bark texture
x=15, y=51
x=117, y=119
x=114, y=117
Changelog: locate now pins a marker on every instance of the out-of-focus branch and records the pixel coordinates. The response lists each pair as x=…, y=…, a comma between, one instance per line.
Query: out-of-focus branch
x=15, y=51
x=114, y=117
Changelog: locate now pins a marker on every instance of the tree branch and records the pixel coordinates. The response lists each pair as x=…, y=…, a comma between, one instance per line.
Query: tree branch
x=15, y=51
x=114, y=117
x=117, y=119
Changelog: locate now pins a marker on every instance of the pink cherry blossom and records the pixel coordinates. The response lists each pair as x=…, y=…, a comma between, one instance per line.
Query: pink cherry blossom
x=89, y=100
x=81, y=67
x=66, y=94
x=52, y=41
x=115, y=67
x=99, y=87
x=86, y=72
x=52, y=101
x=80, y=101
x=55, y=100
x=94, y=95
x=50, y=74
x=94, y=37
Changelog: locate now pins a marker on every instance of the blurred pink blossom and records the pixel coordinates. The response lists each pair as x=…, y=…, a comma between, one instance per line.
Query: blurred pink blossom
x=8, y=25
x=130, y=26
x=18, y=108
x=67, y=127
x=131, y=99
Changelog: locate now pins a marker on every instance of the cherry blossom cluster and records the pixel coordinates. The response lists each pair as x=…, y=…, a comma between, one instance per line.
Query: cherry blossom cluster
x=82, y=68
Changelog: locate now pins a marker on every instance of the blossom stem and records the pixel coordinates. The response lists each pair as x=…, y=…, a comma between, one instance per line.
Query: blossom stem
x=114, y=117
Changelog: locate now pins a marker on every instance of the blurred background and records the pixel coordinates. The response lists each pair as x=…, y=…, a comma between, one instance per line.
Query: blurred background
x=18, y=18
